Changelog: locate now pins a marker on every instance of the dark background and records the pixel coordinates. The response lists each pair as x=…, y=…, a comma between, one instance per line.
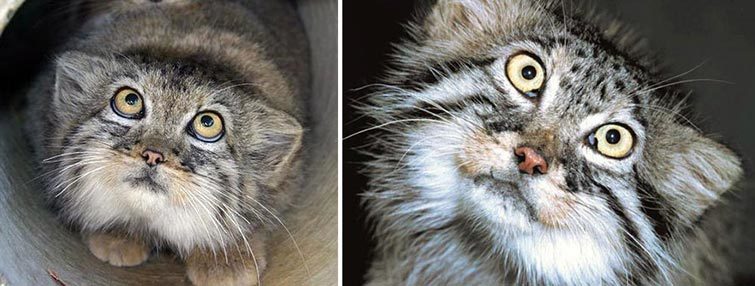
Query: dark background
x=27, y=43
x=684, y=33
x=369, y=28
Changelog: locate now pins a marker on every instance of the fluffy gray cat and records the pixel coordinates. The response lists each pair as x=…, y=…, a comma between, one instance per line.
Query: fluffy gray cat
x=175, y=124
x=521, y=144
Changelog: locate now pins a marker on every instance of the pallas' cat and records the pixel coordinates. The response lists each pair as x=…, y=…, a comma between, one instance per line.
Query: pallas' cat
x=175, y=124
x=520, y=143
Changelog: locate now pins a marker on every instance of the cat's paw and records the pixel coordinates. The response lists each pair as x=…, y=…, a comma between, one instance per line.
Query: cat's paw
x=117, y=251
x=242, y=268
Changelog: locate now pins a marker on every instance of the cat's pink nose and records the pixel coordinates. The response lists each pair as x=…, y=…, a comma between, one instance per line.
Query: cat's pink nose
x=530, y=161
x=152, y=157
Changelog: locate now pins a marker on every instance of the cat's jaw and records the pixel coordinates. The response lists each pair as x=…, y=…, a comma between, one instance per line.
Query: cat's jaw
x=167, y=209
x=534, y=219
x=575, y=253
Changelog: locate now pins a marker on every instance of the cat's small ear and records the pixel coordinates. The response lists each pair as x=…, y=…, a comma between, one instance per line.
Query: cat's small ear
x=280, y=140
x=75, y=72
x=690, y=170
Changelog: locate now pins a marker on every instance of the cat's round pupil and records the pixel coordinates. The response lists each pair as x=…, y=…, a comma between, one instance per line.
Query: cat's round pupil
x=529, y=72
x=207, y=121
x=613, y=136
x=131, y=99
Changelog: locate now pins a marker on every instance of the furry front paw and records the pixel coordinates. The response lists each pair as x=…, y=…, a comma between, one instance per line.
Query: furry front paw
x=234, y=268
x=117, y=251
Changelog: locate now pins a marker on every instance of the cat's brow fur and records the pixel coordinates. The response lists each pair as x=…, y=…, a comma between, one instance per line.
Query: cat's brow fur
x=446, y=210
x=246, y=60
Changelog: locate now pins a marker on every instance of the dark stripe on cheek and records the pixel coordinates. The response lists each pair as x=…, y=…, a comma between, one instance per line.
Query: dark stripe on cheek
x=220, y=214
x=188, y=164
x=196, y=157
x=653, y=206
x=500, y=119
x=440, y=71
x=433, y=110
x=576, y=177
x=68, y=137
x=115, y=131
x=110, y=122
x=646, y=267
x=425, y=111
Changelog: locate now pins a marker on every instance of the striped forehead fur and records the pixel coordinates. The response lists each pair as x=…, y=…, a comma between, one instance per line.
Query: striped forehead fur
x=630, y=219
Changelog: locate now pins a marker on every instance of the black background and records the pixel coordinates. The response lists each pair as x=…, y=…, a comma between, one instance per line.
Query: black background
x=685, y=33
x=27, y=44
x=369, y=28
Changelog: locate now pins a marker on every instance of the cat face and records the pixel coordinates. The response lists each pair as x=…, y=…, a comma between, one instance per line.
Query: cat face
x=539, y=144
x=172, y=147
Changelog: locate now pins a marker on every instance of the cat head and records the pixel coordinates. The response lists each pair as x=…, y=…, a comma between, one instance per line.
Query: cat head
x=542, y=141
x=95, y=13
x=99, y=7
x=175, y=146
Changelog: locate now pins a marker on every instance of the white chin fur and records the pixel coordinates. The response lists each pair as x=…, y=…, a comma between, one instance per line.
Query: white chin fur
x=107, y=201
x=577, y=255
x=568, y=257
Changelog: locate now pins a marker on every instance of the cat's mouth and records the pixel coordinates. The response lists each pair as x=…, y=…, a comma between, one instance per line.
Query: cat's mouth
x=542, y=200
x=496, y=185
x=145, y=179
x=507, y=190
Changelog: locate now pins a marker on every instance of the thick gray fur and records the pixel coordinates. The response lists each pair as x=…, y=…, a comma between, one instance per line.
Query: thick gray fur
x=270, y=64
x=448, y=204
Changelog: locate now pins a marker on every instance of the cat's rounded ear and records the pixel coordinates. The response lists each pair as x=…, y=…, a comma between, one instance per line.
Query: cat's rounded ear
x=277, y=144
x=75, y=74
x=689, y=170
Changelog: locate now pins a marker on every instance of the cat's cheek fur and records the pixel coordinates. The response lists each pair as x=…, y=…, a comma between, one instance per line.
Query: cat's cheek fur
x=553, y=250
x=552, y=246
x=170, y=215
x=573, y=257
x=483, y=154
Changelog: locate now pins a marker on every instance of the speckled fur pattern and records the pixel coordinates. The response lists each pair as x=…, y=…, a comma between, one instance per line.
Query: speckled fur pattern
x=183, y=57
x=446, y=200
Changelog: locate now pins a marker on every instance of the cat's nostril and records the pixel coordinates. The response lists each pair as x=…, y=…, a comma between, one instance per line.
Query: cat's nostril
x=530, y=161
x=152, y=157
x=519, y=157
x=540, y=170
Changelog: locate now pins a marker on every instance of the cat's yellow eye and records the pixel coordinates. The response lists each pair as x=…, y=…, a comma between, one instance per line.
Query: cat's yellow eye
x=526, y=74
x=207, y=126
x=128, y=103
x=612, y=140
